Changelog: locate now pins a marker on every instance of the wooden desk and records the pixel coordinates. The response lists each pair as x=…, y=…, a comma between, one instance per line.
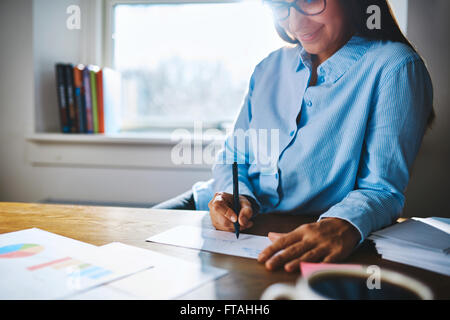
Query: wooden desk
x=246, y=279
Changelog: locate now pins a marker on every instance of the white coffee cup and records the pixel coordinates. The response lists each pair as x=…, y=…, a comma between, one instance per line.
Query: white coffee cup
x=315, y=286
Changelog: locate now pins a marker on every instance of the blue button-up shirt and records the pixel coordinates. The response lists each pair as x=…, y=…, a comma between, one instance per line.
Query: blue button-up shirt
x=351, y=151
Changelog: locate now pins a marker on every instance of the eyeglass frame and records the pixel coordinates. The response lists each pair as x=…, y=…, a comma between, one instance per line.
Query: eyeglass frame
x=293, y=4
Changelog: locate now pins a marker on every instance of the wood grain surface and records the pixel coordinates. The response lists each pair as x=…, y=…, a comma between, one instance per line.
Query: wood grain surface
x=246, y=279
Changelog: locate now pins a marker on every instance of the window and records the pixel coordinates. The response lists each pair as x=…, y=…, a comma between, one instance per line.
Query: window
x=187, y=61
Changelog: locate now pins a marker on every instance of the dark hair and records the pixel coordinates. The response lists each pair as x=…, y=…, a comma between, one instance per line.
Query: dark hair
x=356, y=11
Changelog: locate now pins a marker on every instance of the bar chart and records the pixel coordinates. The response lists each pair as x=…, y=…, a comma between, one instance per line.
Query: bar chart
x=73, y=267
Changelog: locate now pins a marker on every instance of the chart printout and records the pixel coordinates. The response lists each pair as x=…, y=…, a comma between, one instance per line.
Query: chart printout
x=35, y=264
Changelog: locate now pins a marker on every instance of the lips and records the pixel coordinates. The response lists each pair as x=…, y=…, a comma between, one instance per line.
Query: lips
x=307, y=37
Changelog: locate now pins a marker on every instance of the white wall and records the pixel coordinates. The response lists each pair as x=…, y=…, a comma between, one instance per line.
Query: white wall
x=53, y=42
x=16, y=97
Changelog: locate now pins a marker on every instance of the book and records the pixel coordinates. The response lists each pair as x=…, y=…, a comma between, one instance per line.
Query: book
x=88, y=100
x=100, y=103
x=93, y=78
x=73, y=117
x=79, y=97
x=62, y=99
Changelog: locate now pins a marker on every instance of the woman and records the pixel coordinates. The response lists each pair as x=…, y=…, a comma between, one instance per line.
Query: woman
x=351, y=106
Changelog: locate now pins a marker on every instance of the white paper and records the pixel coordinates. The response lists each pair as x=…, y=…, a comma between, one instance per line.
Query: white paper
x=419, y=233
x=423, y=243
x=442, y=224
x=247, y=246
x=168, y=279
x=35, y=264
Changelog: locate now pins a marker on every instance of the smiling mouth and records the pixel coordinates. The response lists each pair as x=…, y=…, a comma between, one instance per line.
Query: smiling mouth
x=309, y=36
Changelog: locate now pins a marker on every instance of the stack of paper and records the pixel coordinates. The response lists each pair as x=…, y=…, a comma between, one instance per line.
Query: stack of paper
x=423, y=243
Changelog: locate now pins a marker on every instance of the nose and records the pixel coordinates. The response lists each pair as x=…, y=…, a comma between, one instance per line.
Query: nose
x=297, y=21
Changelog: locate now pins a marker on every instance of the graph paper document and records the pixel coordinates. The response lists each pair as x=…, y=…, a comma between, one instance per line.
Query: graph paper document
x=247, y=246
x=35, y=264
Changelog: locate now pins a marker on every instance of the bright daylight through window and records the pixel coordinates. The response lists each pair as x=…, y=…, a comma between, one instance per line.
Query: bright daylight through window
x=186, y=62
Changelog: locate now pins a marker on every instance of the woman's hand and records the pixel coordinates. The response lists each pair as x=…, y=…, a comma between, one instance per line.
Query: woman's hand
x=329, y=240
x=223, y=216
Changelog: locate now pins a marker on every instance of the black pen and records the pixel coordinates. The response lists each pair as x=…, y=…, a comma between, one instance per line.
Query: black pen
x=236, y=204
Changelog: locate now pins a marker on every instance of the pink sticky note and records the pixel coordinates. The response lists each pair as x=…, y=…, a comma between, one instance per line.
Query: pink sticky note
x=307, y=268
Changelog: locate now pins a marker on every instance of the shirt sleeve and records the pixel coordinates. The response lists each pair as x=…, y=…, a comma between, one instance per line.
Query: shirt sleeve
x=237, y=148
x=396, y=126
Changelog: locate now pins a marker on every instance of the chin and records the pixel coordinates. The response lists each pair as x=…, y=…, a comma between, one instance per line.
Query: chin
x=312, y=48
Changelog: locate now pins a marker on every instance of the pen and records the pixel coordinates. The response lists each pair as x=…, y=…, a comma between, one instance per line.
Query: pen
x=236, y=204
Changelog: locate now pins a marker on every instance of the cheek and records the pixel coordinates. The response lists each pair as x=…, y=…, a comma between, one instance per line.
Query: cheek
x=285, y=26
x=334, y=20
x=334, y=30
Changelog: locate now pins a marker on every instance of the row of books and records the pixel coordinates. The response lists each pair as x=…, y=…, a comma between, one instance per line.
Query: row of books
x=81, y=98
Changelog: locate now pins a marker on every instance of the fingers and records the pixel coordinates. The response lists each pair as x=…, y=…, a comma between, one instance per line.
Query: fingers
x=245, y=213
x=333, y=257
x=281, y=243
x=313, y=242
x=299, y=252
x=222, y=223
x=313, y=255
x=273, y=236
x=287, y=255
x=293, y=265
x=222, y=215
x=221, y=205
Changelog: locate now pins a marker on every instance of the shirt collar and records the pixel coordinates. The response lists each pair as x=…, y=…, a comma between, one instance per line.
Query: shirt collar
x=335, y=66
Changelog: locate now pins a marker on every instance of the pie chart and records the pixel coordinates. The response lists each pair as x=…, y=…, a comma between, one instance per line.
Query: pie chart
x=20, y=250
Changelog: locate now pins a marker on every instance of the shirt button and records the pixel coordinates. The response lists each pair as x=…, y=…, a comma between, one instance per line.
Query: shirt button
x=309, y=103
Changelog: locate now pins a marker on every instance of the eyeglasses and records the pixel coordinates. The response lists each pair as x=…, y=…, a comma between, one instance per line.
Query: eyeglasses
x=281, y=9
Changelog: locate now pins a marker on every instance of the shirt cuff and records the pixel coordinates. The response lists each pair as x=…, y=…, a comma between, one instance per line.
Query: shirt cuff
x=202, y=192
x=356, y=218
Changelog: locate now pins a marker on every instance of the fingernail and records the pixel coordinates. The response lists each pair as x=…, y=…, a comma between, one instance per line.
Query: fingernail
x=233, y=218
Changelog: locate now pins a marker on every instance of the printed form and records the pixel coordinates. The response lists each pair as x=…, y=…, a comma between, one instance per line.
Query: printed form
x=247, y=246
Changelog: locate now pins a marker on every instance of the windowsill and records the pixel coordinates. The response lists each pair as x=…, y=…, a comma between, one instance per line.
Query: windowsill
x=150, y=138
x=127, y=150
